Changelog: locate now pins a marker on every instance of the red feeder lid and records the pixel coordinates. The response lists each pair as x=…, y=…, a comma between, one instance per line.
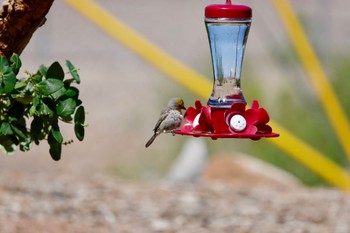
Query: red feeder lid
x=228, y=10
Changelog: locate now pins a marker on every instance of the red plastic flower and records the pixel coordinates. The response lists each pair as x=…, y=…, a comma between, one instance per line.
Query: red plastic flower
x=198, y=119
x=250, y=121
x=263, y=118
x=240, y=120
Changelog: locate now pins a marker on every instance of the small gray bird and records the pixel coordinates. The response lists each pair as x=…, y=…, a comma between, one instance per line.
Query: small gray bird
x=170, y=118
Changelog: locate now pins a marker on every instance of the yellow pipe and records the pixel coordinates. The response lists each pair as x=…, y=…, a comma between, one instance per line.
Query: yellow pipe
x=316, y=73
x=311, y=158
x=308, y=156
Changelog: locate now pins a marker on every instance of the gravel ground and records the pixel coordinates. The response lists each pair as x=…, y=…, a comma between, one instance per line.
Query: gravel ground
x=39, y=203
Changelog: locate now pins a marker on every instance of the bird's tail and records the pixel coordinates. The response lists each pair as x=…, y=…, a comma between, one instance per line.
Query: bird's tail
x=151, y=140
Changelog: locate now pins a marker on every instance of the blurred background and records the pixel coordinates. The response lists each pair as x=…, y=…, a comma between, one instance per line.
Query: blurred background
x=123, y=94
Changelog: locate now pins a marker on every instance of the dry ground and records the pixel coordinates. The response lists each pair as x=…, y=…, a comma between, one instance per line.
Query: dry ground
x=230, y=198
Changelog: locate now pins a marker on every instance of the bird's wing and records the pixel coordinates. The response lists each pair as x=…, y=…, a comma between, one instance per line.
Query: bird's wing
x=172, y=121
x=163, y=115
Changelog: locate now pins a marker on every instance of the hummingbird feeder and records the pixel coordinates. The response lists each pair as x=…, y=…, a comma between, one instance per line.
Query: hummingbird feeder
x=226, y=114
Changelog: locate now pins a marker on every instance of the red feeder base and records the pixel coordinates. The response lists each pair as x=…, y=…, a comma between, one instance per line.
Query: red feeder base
x=233, y=122
x=215, y=136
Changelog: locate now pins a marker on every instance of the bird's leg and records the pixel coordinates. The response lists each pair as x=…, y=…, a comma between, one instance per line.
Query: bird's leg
x=172, y=132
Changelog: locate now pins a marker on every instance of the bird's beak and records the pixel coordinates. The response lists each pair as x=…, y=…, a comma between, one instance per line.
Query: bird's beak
x=183, y=107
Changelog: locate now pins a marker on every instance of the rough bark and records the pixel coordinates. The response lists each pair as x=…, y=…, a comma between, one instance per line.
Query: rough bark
x=19, y=19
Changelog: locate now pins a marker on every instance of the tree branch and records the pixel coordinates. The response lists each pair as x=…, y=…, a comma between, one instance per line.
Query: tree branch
x=19, y=19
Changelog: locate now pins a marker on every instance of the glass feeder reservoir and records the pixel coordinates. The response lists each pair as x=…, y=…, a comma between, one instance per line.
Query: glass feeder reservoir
x=227, y=27
x=227, y=114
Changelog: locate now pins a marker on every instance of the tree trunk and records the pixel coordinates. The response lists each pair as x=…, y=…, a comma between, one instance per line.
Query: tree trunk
x=19, y=19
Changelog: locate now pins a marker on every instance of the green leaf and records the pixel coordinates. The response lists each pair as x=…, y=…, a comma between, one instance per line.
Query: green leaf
x=19, y=132
x=55, y=151
x=6, y=145
x=24, y=99
x=32, y=111
x=20, y=84
x=5, y=128
x=55, y=148
x=36, y=130
x=36, y=101
x=73, y=71
x=36, y=126
x=79, y=117
x=72, y=92
x=15, y=63
x=66, y=107
x=79, y=102
x=49, y=86
x=33, y=108
x=36, y=78
x=7, y=79
x=55, y=131
x=79, y=131
x=3, y=62
x=59, y=93
x=43, y=70
x=46, y=107
x=55, y=71
x=67, y=119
